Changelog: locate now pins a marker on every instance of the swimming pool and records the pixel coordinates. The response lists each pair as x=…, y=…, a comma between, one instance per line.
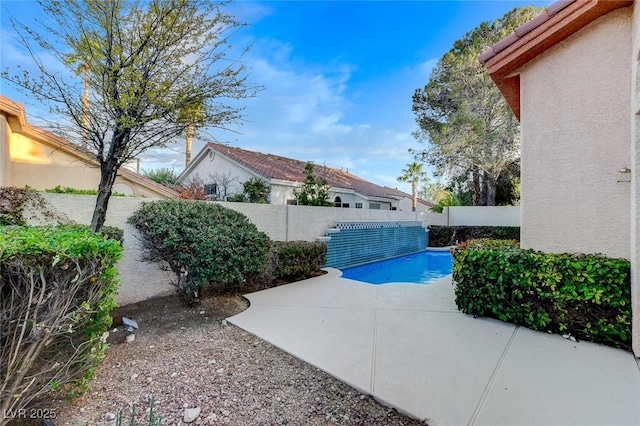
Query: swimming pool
x=417, y=268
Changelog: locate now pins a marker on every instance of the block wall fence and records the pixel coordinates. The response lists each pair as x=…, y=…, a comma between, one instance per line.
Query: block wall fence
x=141, y=280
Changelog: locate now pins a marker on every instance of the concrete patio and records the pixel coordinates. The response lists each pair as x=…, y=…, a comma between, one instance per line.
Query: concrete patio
x=409, y=347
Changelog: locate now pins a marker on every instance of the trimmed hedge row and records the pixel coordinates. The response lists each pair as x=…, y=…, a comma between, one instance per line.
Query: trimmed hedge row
x=297, y=260
x=585, y=295
x=57, y=288
x=445, y=236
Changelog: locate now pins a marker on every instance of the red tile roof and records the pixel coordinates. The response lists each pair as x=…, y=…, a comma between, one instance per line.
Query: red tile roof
x=558, y=22
x=277, y=167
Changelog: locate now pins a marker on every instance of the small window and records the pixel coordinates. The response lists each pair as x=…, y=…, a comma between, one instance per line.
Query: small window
x=210, y=190
x=358, y=205
x=337, y=202
x=293, y=202
x=345, y=205
x=374, y=206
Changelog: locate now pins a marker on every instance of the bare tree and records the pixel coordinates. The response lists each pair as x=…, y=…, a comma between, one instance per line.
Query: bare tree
x=224, y=182
x=148, y=63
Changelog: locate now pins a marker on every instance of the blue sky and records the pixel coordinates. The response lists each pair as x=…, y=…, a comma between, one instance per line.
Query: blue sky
x=338, y=77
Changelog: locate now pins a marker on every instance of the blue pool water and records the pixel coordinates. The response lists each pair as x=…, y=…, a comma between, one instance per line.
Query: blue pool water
x=417, y=268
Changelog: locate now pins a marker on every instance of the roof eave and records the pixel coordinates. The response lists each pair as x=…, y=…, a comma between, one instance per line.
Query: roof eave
x=556, y=24
x=16, y=114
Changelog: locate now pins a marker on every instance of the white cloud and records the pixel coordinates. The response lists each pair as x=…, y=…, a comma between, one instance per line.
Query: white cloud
x=320, y=113
x=315, y=111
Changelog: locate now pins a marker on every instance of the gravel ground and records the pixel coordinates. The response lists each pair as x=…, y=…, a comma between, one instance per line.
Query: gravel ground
x=189, y=358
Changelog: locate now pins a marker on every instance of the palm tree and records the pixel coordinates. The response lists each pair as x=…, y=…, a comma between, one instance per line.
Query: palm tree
x=193, y=115
x=414, y=174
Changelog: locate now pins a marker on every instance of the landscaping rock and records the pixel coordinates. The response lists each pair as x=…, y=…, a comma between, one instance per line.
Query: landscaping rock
x=257, y=383
x=190, y=414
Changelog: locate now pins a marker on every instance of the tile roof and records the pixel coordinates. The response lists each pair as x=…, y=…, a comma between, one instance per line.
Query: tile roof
x=283, y=168
x=558, y=22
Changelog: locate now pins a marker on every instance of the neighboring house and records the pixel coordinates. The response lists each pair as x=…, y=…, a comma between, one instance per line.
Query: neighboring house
x=222, y=170
x=572, y=77
x=30, y=155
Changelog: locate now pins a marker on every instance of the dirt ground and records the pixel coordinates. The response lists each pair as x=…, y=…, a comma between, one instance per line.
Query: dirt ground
x=189, y=358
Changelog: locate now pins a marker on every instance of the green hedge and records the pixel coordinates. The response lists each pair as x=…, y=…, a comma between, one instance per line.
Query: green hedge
x=113, y=233
x=298, y=260
x=57, y=289
x=585, y=295
x=67, y=190
x=444, y=236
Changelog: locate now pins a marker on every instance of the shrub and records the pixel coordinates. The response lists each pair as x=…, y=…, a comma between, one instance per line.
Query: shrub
x=444, y=236
x=21, y=205
x=67, y=190
x=201, y=243
x=57, y=289
x=298, y=260
x=164, y=176
x=256, y=190
x=314, y=190
x=113, y=233
x=584, y=295
x=237, y=198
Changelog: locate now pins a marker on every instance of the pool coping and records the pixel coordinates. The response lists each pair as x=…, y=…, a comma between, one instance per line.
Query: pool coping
x=409, y=347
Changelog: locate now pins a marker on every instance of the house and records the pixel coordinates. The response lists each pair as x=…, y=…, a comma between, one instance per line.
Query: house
x=222, y=170
x=30, y=155
x=572, y=77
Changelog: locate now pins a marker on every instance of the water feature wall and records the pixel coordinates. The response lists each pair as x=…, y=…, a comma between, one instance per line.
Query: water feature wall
x=355, y=242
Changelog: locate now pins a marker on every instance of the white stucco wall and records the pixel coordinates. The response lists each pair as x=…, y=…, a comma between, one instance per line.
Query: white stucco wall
x=407, y=204
x=290, y=223
x=281, y=191
x=212, y=166
x=142, y=280
x=575, y=137
x=635, y=182
x=483, y=216
x=138, y=280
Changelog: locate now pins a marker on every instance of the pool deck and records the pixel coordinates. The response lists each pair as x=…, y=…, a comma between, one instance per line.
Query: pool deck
x=410, y=348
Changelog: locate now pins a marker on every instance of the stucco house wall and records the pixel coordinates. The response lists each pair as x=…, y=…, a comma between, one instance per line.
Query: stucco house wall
x=42, y=166
x=635, y=184
x=213, y=164
x=5, y=163
x=284, y=175
x=575, y=120
x=30, y=155
x=282, y=192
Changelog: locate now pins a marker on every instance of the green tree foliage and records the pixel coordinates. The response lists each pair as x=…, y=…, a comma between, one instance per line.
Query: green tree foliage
x=414, y=174
x=164, y=176
x=465, y=122
x=440, y=196
x=256, y=190
x=202, y=243
x=297, y=260
x=150, y=65
x=314, y=190
x=507, y=187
